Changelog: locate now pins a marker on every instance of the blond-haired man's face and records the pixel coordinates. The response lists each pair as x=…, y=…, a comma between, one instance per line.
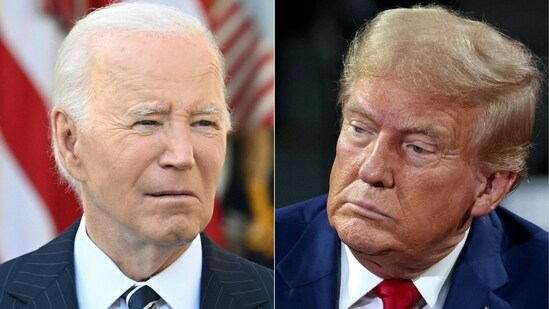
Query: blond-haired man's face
x=404, y=181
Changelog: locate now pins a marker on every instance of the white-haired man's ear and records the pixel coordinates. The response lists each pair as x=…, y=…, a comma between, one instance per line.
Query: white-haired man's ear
x=65, y=137
x=493, y=191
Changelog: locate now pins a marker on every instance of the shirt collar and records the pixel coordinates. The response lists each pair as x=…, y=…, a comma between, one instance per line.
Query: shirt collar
x=430, y=283
x=356, y=280
x=99, y=282
x=179, y=283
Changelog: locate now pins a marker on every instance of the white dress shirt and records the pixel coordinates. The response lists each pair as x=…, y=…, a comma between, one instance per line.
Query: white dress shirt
x=357, y=282
x=100, y=283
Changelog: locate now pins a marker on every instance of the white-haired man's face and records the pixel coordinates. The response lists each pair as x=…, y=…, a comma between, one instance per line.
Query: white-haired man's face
x=149, y=164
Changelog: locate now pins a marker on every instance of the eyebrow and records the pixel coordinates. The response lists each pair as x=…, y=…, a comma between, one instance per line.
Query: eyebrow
x=350, y=108
x=210, y=110
x=146, y=111
x=426, y=129
x=409, y=127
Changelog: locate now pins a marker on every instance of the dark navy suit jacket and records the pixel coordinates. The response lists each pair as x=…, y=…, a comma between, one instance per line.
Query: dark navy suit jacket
x=45, y=278
x=504, y=263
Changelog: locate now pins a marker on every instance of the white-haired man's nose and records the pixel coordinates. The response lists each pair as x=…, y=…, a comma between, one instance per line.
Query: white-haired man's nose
x=178, y=151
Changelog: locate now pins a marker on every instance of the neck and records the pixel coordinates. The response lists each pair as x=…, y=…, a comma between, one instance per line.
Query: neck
x=396, y=266
x=136, y=257
x=411, y=263
x=145, y=263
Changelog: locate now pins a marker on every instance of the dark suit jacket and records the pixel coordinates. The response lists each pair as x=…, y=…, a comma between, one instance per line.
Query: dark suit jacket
x=502, y=265
x=45, y=278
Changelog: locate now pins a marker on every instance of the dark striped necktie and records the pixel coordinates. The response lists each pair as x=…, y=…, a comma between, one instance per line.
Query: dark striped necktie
x=140, y=297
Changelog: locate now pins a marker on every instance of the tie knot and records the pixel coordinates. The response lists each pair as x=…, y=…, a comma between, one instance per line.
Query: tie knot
x=397, y=294
x=140, y=297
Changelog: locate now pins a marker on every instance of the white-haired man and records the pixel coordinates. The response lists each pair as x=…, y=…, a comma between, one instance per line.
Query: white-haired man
x=139, y=128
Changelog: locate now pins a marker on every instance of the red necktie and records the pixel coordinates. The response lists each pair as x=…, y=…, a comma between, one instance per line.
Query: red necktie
x=397, y=294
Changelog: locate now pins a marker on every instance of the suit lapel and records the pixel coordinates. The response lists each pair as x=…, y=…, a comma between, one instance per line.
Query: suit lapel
x=312, y=266
x=227, y=282
x=46, y=280
x=479, y=270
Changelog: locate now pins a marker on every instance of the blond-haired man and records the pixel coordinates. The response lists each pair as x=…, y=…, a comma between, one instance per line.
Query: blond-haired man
x=437, y=114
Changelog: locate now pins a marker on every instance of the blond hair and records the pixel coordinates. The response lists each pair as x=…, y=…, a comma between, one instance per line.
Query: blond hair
x=432, y=50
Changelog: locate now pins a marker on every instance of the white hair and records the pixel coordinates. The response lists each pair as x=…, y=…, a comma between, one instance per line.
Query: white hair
x=72, y=69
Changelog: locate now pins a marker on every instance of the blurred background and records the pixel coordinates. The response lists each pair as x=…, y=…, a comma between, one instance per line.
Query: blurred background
x=35, y=206
x=310, y=44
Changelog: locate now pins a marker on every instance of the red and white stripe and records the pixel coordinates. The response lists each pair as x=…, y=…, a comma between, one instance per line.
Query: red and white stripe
x=249, y=63
x=33, y=207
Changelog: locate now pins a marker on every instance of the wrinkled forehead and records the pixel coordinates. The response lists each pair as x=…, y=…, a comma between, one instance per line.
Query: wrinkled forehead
x=153, y=57
x=385, y=100
x=126, y=67
x=146, y=44
x=391, y=89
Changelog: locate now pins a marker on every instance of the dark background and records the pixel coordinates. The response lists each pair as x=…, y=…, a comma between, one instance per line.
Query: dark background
x=311, y=38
